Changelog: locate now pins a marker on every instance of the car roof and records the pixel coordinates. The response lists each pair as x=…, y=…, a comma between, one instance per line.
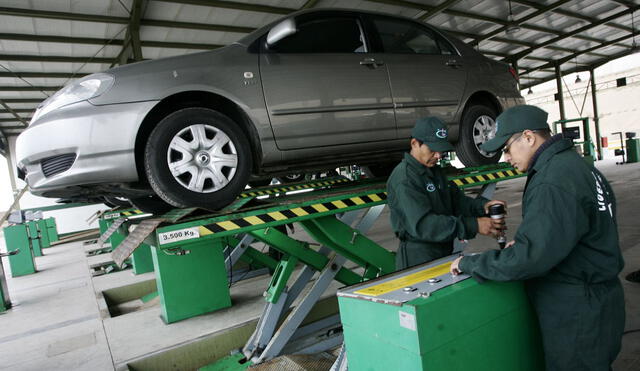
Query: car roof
x=249, y=39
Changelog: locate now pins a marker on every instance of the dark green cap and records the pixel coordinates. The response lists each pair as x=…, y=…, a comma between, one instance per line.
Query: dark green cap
x=515, y=120
x=432, y=132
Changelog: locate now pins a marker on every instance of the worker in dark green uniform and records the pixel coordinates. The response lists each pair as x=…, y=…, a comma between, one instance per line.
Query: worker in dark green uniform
x=566, y=248
x=428, y=212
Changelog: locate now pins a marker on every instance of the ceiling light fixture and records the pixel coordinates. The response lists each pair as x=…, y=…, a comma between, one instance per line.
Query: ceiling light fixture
x=512, y=25
x=578, y=79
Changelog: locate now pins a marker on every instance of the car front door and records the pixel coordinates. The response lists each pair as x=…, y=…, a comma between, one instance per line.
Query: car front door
x=322, y=88
x=427, y=75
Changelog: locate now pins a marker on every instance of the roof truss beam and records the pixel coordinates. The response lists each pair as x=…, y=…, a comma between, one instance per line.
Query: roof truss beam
x=535, y=5
x=14, y=113
x=438, y=9
x=96, y=41
x=578, y=30
x=52, y=58
x=233, y=5
x=576, y=54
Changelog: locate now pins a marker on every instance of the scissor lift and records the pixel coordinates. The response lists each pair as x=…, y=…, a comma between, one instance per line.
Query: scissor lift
x=191, y=267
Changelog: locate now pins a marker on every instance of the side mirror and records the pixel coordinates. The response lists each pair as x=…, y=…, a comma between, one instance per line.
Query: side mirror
x=281, y=30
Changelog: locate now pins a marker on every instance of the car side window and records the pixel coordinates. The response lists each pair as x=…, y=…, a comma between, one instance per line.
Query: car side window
x=328, y=35
x=398, y=36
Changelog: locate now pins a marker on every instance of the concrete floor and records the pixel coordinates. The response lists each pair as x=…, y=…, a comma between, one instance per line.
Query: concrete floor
x=58, y=321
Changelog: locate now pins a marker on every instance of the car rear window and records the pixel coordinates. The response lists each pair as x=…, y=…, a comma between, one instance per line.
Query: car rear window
x=398, y=36
x=329, y=35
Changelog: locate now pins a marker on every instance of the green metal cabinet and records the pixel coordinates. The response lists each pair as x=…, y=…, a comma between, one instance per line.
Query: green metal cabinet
x=191, y=282
x=464, y=326
x=633, y=150
x=16, y=238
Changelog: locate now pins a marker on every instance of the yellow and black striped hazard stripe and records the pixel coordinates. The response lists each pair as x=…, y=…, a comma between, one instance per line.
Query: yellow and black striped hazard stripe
x=268, y=217
x=133, y=212
x=283, y=189
x=472, y=179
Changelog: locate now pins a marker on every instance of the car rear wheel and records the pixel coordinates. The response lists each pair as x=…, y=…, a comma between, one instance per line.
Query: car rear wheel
x=197, y=157
x=478, y=125
x=291, y=178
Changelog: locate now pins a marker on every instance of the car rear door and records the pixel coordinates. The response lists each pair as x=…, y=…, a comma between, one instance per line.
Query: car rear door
x=322, y=88
x=427, y=75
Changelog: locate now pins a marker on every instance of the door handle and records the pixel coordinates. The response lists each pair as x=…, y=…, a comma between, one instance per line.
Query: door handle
x=371, y=62
x=453, y=63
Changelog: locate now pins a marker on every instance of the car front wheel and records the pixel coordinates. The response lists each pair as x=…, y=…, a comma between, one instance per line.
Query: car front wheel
x=478, y=125
x=197, y=157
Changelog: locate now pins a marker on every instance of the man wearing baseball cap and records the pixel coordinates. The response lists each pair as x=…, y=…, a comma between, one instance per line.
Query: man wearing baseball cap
x=427, y=211
x=566, y=248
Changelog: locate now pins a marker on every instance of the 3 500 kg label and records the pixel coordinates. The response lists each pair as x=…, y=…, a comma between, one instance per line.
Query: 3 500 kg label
x=179, y=235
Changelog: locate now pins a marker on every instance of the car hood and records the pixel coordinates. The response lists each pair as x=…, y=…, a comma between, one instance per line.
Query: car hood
x=156, y=79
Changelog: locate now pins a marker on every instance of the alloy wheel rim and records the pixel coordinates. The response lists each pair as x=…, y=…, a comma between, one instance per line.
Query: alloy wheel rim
x=202, y=158
x=484, y=129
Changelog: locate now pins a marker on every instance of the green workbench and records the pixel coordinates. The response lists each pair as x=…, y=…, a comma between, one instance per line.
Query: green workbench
x=425, y=319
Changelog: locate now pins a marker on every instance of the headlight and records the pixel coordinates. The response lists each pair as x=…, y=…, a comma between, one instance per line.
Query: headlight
x=86, y=88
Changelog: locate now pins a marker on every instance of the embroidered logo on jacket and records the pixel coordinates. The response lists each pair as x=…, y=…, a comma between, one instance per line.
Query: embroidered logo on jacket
x=431, y=187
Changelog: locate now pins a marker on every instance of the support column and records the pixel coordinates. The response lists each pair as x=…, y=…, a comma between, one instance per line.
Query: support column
x=563, y=115
x=12, y=177
x=596, y=120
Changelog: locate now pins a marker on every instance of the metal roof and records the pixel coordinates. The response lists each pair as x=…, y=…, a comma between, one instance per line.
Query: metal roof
x=45, y=44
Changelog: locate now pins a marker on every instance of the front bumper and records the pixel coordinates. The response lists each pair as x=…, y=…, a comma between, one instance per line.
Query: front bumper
x=102, y=138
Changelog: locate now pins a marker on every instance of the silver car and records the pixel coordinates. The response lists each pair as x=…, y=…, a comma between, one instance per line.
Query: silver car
x=312, y=91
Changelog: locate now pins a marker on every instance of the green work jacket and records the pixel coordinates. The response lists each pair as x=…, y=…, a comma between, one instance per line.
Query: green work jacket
x=428, y=212
x=566, y=248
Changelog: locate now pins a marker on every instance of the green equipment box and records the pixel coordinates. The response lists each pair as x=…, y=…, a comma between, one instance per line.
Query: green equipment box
x=423, y=318
x=17, y=239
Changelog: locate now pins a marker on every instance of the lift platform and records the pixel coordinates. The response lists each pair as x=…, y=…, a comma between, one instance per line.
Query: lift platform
x=193, y=250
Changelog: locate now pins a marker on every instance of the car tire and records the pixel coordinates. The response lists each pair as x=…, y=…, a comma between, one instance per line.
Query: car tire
x=151, y=204
x=210, y=159
x=477, y=126
x=292, y=178
x=259, y=183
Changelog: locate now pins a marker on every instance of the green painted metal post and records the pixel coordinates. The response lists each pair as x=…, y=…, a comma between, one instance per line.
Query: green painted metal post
x=41, y=224
x=52, y=229
x=5, y=301
x=141, y=259
x=191, y=284
x=4, y=304
x=16, y=238
x=32, y=230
